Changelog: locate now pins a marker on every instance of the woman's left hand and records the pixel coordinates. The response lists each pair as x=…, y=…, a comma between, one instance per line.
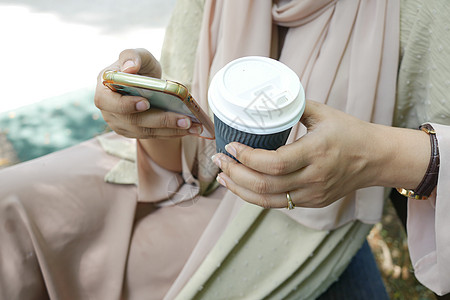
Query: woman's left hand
x=338, y=155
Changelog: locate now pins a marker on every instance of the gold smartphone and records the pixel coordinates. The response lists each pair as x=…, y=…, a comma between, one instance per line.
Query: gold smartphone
x=163, y=94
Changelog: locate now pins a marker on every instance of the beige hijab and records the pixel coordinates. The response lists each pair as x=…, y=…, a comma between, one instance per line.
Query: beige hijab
x=345, y=53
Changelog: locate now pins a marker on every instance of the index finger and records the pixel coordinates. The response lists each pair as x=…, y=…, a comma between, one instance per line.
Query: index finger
x=284, y=160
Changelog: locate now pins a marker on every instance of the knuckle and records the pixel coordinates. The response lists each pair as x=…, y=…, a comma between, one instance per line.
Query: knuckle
x=148, y=132
x=261, y=186
x=264, y=201
x=324, y=180
x=278, y=166
x=318, y=176
x=124, y=106
x=320, y=199
x=320, y=180
x=164, y=120
x=244, y=155
x=134, y=119
x=232, y=170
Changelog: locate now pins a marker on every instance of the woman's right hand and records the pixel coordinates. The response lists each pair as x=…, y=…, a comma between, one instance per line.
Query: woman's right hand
x=132, y=116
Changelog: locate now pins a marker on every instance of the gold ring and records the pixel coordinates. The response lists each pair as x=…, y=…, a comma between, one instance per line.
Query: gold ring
x=290, y=204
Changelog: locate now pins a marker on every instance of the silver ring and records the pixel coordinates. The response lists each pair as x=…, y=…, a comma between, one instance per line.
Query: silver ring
x=290, y=204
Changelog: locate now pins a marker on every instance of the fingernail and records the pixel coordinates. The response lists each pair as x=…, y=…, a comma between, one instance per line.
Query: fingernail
x=216, y=160
x=230, y=149
x=184, y=123
x=142, y=105
x=221, y=181
x=128, y=64
x=195, y=130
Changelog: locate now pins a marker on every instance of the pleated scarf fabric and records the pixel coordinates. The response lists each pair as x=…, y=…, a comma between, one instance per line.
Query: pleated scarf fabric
x=345, y=53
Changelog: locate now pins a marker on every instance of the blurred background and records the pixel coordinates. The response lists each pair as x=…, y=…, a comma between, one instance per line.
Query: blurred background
x=51, y=54
x=51, y=47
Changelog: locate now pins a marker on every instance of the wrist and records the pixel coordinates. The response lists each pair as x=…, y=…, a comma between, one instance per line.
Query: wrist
x=402, y=156
x=165, y=152
x=430, y=179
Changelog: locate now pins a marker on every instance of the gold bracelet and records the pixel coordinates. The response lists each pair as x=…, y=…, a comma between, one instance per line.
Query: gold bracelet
x=411, y=194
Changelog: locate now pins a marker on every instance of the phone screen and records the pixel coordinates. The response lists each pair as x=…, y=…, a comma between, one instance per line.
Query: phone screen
x=158, y=99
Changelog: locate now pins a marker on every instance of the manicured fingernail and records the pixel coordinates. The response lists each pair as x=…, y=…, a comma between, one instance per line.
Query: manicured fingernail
x=221, y=181
x=128, y=64
x=230, y=149
x=142, y=105
x=195, y=130
x=216, y=160
x=184, y=123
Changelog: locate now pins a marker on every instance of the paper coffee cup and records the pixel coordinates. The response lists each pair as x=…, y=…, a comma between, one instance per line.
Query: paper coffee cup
x=256, y=101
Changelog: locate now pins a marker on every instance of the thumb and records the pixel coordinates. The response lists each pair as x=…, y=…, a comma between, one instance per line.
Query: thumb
x=129, y=61
x=139, y=61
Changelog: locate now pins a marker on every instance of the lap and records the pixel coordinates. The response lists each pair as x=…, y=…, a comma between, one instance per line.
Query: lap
x=71, y=226
x=67, y=229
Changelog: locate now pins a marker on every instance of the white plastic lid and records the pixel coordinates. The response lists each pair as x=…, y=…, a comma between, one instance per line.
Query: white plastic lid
x=257, y=95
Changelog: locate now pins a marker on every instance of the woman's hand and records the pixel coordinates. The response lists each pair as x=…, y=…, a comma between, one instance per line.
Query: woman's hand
x=159, y=132
x=338, y=155
x=131, y=116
